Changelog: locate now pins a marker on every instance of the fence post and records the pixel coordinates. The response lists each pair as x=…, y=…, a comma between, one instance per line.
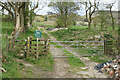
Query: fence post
x=77, y=45
x=26, y=49
x=37, y=49
x=45, y=46
x=9, y=44
x=105, y=47
x=48, y=45
x=30, y=43
x=13, y=43
x=6, y=42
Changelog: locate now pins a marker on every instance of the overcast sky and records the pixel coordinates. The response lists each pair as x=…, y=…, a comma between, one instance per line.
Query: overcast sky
x=46, y=9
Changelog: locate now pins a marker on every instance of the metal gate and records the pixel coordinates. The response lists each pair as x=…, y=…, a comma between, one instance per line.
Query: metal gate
x=82, y=48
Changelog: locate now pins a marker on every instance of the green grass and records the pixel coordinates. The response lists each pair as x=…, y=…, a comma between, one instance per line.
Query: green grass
x=13, y=67
x=45, y=62
x=7, y=26
x=73, y=61
x=78, y=27
x=82, y=33
x=100, y=59
x=39, y=24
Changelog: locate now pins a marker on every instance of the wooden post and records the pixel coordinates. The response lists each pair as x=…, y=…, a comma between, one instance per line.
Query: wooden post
x=13, y=43
x=48, y=45
x=30, y=43
x=6, y=42
x=105, y=47
x=9, y=44
x=45, y=46
x=26, y=50
x=37, y=49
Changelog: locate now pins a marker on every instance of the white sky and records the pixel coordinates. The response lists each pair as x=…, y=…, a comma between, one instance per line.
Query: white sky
x=102, y=2
x=46, y=9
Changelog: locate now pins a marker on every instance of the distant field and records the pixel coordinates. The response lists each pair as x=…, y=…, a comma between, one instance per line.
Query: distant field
x=45, y=23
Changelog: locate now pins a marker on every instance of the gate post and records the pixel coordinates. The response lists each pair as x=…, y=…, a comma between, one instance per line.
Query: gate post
x=27, y=47
x=9, y=48
x=30, y=43
x=48, y=45
x=13, y=43
x=105, y=47
x=37, y=49
x=6, y=42
x=45, y=45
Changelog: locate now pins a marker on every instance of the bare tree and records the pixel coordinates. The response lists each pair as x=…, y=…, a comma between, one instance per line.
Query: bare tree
x=90, y=9
x=109, y=6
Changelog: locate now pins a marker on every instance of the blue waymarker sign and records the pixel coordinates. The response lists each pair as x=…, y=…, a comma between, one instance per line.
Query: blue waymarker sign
x=37, y=34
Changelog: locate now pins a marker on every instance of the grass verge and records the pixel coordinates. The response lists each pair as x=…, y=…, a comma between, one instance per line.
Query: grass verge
x=13, y=67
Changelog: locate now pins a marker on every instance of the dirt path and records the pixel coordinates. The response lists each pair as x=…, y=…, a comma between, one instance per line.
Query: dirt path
x=89, y=72
x=61, y=65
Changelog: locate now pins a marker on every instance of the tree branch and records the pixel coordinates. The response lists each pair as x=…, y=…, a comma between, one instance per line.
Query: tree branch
x=5, y=7
x=23, y=3
x=39, y=9
x=35, y=6
x=11, y=4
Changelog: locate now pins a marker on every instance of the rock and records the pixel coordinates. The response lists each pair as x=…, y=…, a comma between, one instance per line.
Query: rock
x=56, y=29
x=86, y=58
x=21, y=55
x=28, y=64
x=3, y=69
x=111, y=67
x=83, y=68
x=82, y=73
x=97, y=36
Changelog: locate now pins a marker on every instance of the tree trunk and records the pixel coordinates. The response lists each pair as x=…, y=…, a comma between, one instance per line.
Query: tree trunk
x=119, y=41
x=17, y=25
x=119, y=33
x=101, y=24
x=26, y=16
x=65, y=22
x=22, y=21
x=89, y=24
x=112, y=19
x=66, y=13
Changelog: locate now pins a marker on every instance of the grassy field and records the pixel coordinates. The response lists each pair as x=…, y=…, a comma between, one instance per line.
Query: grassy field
x=44, y=24
x=82, y=33
x=13, y=67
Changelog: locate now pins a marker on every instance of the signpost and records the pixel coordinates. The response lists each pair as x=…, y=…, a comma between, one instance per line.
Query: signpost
x=37, y=34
